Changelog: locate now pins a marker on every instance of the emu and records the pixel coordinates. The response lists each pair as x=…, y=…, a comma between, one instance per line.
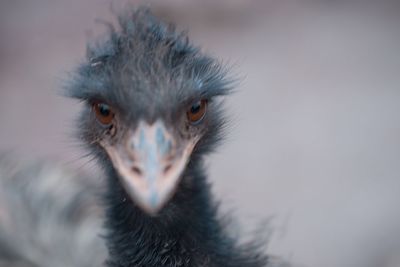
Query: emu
x=151, y=114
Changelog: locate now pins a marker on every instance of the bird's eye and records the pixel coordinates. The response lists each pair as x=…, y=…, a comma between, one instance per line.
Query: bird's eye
x=103, y=112
x=197, y=111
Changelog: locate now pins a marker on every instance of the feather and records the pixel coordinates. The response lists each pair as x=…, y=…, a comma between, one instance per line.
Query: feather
x=49, y=217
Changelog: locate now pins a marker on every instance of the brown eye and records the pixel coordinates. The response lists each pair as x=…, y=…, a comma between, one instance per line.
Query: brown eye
x=103, y=112
x=197, y=111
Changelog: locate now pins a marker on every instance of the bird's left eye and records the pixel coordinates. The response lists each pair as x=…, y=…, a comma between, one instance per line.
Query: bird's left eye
x=104, y=113
x=197, y=111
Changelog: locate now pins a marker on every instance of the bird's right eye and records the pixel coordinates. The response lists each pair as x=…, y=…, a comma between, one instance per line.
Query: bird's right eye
x=103, y=112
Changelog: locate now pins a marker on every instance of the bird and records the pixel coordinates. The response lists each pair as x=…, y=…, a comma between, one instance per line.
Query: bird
x=152, y=111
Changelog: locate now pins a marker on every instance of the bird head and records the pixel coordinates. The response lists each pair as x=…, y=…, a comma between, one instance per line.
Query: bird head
x=151, y=105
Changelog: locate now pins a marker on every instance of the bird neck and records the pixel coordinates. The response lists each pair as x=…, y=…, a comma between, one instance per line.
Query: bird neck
x=180, y=234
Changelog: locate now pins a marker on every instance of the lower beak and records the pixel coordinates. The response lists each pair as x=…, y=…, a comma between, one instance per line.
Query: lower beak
x=150, y=165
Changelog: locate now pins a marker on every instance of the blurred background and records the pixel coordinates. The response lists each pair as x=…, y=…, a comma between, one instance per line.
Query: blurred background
x=314, y=147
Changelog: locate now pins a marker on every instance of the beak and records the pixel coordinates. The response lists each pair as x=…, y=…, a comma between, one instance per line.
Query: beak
x=150, y=165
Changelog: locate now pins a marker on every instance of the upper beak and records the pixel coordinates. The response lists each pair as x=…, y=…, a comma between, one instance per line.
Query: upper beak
x=150, y=165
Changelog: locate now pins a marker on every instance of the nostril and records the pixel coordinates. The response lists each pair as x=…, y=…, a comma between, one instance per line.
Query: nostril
x=167, y=168
x=136, y=170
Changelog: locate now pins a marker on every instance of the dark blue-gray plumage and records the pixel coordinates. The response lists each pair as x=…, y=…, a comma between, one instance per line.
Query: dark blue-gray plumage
x=148, y=78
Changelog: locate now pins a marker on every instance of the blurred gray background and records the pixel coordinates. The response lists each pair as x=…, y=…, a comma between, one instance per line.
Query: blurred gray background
x=315, y=142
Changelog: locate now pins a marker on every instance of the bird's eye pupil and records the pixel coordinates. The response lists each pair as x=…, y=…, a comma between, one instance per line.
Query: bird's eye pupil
x=195, y=108
x=104, y=110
